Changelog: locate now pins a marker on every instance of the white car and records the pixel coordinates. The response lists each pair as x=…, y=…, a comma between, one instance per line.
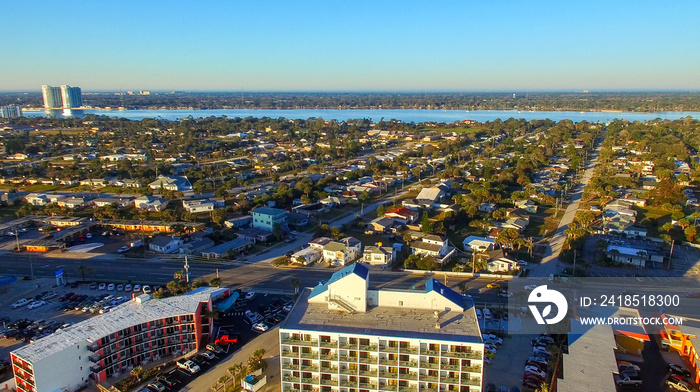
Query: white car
x=262, y=327
x=137, y=288
x=102, y=286
x=287, y=308
x=88, y=236
x=110, y=287
x=537, y=350
x=36, y=304
x=250, y=295
x=479, y=314
x=491, y=347
x=189, y=366
x=253, y=317
x=535, y=370
x=123, y=249
x=146, y=289
x=531, y=287
x=20, y=302
x=522, y=263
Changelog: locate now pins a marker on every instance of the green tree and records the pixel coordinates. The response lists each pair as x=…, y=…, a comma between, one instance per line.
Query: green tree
x=690, y=233
x=84, y=270
x=426, y=226
x=215, y=282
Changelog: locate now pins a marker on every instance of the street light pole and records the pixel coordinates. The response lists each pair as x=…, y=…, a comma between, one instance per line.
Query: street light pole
x=187, y=270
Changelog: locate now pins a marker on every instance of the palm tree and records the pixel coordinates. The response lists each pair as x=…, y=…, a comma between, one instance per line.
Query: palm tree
x=84, y=270
x=235, y=372
x=179, y=275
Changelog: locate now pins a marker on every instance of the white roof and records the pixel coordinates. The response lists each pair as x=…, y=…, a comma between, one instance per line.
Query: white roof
x=429, y=194
x=123, y=316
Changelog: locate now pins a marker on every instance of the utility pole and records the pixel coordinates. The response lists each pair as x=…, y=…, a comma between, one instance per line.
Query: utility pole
x=574, y=271
x=187, y=270
x=670, y=256
x=31, y=267
x=17, y=238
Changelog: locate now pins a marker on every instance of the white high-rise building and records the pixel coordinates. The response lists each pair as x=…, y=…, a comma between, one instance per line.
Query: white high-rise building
x=52, y=97
x=11, y=111
x=342, y=337
x=72, y=97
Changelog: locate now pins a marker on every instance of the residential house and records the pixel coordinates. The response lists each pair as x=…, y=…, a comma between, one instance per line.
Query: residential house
x=203, y=205
x=430, y=195
x=631, y=255
x=71, y=203
x=306, y=256
x=171, y=183
x=434, y=246
x=342, y=252
x=196, y=246
x=266, y=217
x=237, y=245
x=165, y=244
x=403, y=215
x=150, y=203
x=378, y=255
x=106, y=201
x=384, y=225
x=333, y=201
x=527, y=205
x=254, y=234
x=37, y=199
x=239, y=221
x=319, y=243
x=478, y=244
x=487, y=207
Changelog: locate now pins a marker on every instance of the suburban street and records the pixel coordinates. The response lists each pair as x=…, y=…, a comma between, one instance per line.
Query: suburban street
x=550, y=261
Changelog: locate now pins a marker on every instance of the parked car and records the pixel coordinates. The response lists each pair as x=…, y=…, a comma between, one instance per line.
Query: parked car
x=156, y=386
x=215, y=348
x=146, y=289
x=538, y=359
x=288, y=308
x=676, y=369
x=128, y=287
x=625, y=379
x=540, y=350
x=675, y=381
x=535, y=370
x=93, y=285
x=493, y=286
x=207, y=354
x=19, y=303
x=123, y=249
x=250, y=295
x=479, y=315
x=120, y=287
x=102, y=286
x=88, y=236
x=36, y=304
x=627, y=367
x=188, y=366
x=49, y=296
x=262, y=327
x=110, y=287
x=137, y=288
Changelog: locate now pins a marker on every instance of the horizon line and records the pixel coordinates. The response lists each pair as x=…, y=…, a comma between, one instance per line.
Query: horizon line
x=499, y=91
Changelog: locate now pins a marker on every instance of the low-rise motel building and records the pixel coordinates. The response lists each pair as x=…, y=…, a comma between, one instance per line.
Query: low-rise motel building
x=137, y=332
x=684, y=339
x=343, y=336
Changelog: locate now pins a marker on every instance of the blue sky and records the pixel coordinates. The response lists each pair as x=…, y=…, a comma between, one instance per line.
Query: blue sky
x=351, y=45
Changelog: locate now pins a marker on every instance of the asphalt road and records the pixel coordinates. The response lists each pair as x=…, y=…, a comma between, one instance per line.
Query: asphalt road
x=550, y=261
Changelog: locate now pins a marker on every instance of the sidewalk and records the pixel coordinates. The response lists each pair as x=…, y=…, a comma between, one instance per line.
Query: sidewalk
x=269, y=341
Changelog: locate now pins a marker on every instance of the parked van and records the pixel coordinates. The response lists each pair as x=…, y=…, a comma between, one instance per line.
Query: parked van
x=487, y=314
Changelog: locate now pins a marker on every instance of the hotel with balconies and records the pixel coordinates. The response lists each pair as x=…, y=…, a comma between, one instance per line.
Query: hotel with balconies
x=344, y=337
x=137, y=332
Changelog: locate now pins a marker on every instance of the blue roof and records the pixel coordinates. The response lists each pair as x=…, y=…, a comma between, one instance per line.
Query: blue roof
x=356, y=268
x=268, y=211
x=446, y=292
x=318, y=290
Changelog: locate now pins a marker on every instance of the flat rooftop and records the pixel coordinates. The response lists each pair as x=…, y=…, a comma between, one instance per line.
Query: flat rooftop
x=387, y=321
x=128, y=314
x=590, y=363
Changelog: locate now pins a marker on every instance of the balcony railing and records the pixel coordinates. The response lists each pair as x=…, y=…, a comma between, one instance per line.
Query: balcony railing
x=365, y=385
x=370, y=360
x=388, y=374
x=329, y=369
x=290, y=379
x=450, y=380
x=410, y=388
x=388, y=349
x=312, y=380
x=472, y=369
x=408, y=363
x=311, y=355
x=290, y=389
x=387, y=361
x=471, y=381
x=26, y=377
x=331, y=357
x=408, y=350
x=299, y=342
x=309, y=368
x=408, y=376
x=290, y=353
x=368, y=373
x=387, y=387
x=429, y=365
x=348, y=371
x=289, y=366
x=348, y=346
x=94, y=358
x=93, y=347
x=331, y=344
x=434, y=353
x=96, y=368
x=370, y=347
x=345, y=358
x=348, y=383
x=463, y=354
x=332, y=382
x=428, y=378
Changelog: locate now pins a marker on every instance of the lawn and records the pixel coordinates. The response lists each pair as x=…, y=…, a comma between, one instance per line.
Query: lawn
x=655, y=215
x=41, y=188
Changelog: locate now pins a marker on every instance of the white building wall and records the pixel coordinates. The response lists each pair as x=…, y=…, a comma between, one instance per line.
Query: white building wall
x=68, y=368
